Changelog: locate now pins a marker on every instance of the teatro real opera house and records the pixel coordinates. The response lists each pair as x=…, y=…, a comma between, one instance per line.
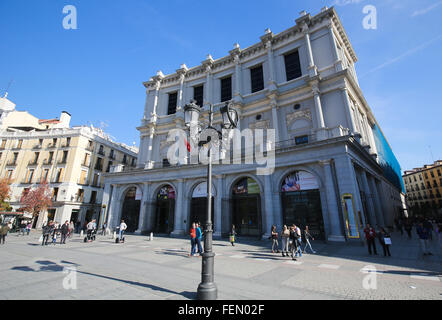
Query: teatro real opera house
x=334, y=169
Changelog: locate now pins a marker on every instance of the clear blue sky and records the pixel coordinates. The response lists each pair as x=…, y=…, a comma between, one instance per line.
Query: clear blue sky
x=96, y=72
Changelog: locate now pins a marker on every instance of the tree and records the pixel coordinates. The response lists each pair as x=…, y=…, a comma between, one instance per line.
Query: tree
x=36, y=200
x=5, y=194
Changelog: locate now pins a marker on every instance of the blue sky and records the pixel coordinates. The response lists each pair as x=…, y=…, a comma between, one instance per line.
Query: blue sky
x=96, y=72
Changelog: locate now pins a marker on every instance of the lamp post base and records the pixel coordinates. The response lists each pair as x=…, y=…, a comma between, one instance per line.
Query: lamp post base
x=207, y=291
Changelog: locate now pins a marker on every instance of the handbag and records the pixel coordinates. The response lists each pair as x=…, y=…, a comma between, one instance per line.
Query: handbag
x=232, y=238
x=40, y=239
x=387, y=241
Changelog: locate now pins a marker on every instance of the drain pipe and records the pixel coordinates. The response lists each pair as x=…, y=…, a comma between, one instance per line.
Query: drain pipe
x=338, y=198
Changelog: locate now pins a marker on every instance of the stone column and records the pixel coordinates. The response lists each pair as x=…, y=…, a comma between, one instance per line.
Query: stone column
x=312, y=69
x=376, y=201
x=369, y=198
x=207, y=64
x=268, y=214
x=182, y=74
x=142, y=218
x=149, y=162
x=338, y=62
x=332, y=216
x=178, y=224
x=218, y=206
x=113, y=214
x=276, y=126
x=235, y=55
x=348, y=111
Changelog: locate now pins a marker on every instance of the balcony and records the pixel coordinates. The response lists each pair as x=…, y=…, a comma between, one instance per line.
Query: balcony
x=112, y=156
x=82, y=182
x=33, y=162
x=62, y=161
x=90, y=148
x=101, y=153
x=52, y=146
x=37, y=147
x=98, y=167
x=48, y=162
x=12, y=163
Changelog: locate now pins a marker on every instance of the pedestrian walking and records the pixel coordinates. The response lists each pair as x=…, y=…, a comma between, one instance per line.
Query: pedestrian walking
x=429, y=226
x=285, y=238
x=408, y=226
x=123, y=227
x=233, y=235
x=4, y=229
x=64, y=230
x=298, y=240
x=192, y=239
x=47, y=230
x=423, y=234
x=54, y=234
x=103, y=229
x=22, y=227
x=28, y=228
x=370, y=236
x=293, y=242
x=439, y=234
x=385, y=241
x=199, y=236
x=274, y=237
x=308, y=237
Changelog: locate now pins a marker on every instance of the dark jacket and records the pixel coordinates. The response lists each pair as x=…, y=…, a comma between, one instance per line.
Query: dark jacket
x=64, y=229
x=47, y=230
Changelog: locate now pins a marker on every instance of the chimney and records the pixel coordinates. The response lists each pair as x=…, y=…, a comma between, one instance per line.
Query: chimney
x=65, y=119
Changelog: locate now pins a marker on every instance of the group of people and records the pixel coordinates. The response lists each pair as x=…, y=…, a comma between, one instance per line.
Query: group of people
x=51, y=231
x=195, y=239
x=291, y=241
x=424, y=230
x=25, y=228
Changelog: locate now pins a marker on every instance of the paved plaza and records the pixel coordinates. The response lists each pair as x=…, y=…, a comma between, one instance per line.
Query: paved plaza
x=161, y=269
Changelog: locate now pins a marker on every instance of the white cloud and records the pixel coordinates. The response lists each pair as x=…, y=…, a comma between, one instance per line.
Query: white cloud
x=426, y=10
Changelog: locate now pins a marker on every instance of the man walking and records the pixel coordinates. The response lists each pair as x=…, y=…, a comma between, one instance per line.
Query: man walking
x=4, y=229
x=123, y=227
x=199, y=235
x=423, y=234
x=48, y=229
x=64, y=232
x=370, y=236
x=192, y=239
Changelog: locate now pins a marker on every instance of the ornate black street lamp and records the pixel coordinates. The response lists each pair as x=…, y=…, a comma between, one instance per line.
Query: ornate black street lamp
x=207, y=289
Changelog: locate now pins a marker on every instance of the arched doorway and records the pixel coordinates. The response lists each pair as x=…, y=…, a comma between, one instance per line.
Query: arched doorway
x=165, y=210
x=198, y=204
x=301, y=203
x=246, y=207
x=130, y=212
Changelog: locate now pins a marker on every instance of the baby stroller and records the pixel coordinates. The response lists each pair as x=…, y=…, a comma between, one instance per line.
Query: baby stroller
x=118, y=240
x=90, y=236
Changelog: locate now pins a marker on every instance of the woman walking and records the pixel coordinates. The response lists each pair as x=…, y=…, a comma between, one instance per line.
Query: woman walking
x=285, y=235
x=232, y=235
x=385, y=240
x=192, y=239
x=274, y=237
x=4, y=229
x=308, y=236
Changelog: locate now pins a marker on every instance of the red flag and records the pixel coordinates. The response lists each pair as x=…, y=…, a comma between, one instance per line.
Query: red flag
x=187, y=144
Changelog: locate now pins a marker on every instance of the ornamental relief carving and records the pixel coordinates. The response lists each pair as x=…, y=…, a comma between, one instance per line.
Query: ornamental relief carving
x=264, y=124
x=291, y=117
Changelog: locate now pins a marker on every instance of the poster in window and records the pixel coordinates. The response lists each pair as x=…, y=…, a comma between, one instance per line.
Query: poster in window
x=299, y=181
x=351, y=222
x=166, y=192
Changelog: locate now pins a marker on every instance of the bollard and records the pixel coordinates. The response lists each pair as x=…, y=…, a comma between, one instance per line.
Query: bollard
x=81, y=234
x=151, y=236
x=114, y=236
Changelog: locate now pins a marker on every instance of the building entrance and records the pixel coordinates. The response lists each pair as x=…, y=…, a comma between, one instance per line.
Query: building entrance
x=165, y=210
x=131, y=210
x=246, y=208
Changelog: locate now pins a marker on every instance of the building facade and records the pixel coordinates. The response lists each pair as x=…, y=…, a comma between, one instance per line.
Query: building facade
x=71, y=159
x=334, y=170
x=424, y=189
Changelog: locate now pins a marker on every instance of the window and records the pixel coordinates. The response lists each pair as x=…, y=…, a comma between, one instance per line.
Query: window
x=59, y=176
x=226, y=89
x=51, y=156
x=292, y=65
x=45, y=175
x=83, y=176
x=93, y=197
x=133, y=162
x=438, y=173
x=257, y=78
x=166, y=163
x=432, y=174
x=124, y=159
x=109, y=165
x=198, y=94
x=86, y=160
x=99, y=164
x=55, y=194
x=19, y=144
x=30, y=176
x=112, y=155
x=80, y=195
x=301, y=140
x=96, y=177
x=65, y=157
x=414, y=177
x=3, y=144
x=10, y=172
x=101, y=150
x=426, y=175
x=173, y=99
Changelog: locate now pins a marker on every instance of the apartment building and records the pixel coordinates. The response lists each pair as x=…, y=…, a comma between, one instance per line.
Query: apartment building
x=71, y=159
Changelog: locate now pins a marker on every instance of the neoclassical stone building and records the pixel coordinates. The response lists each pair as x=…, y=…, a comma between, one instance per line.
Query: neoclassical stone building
x=334, y=168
